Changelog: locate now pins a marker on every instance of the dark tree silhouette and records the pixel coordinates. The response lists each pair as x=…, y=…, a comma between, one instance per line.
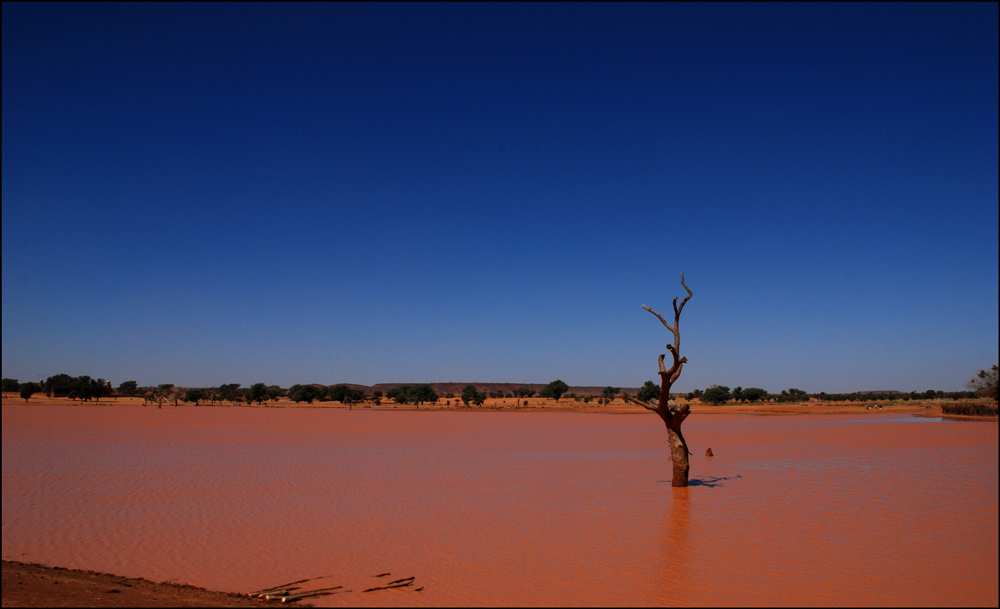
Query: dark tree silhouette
x=554, y=390
x=649, y=392
x=609, y=394
x=304, y=393
x=27, y=390
x=194, y=395
x=716, y=394
x=419, y=394
x=472, y=394
x=754, y=394
x=229, y=392
x=258, y=393
x=672, y=414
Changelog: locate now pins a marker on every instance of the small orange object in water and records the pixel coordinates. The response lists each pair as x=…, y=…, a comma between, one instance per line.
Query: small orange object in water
x=708, y=453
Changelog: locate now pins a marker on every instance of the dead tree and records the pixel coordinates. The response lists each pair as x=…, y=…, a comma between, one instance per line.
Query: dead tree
x=672, y=414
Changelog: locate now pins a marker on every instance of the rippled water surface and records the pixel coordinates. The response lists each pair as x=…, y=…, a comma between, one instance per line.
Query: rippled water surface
x=510, y=508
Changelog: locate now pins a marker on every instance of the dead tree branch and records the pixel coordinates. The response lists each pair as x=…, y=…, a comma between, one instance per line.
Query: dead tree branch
x=646, y=405
x=671, y=413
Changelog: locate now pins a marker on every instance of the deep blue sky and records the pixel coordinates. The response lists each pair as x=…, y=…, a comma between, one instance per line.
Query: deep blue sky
x=223, y=193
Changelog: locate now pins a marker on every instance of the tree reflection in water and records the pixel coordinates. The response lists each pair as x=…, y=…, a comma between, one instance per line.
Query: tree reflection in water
x=672, y=576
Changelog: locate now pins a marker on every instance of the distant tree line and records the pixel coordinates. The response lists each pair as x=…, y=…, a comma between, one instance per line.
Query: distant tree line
x=720, y=394
x=85, y=388
x=63, y=385
x=930, y=394
x=25, y=390
x=337, y=393
x=413, y=394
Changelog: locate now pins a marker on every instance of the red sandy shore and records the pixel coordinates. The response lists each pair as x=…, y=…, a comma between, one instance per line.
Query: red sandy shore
x=927, y=407
x=32, y=585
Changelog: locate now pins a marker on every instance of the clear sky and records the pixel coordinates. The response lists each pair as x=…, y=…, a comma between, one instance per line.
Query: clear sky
x=203, y=194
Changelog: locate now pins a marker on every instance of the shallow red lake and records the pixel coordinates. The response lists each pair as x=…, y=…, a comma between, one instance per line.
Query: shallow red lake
x=493, y=508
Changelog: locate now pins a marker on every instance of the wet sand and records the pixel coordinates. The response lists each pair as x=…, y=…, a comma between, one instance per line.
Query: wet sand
x=487, y=508
x=28, y=585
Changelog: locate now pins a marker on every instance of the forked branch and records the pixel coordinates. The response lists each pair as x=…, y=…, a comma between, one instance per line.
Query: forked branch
x=677, y=369
x=677, y=310
x=670, y=376
x=674, y=329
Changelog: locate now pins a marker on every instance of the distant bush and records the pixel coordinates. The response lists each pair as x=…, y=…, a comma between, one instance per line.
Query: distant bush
x=128, y=388
x=716, y=394
x=419, y=394
x=472, y=394
x=649, y=392
x=304, y=393
x=194, y=395
x=971, y=410
x=79, y=387
x=610, y=393
x=753, y=394
x=398, y=394
x=346, y=395
x=793, y=395
x=554, y=390
x=231, y=391
x=28, y=389
x=258, y=393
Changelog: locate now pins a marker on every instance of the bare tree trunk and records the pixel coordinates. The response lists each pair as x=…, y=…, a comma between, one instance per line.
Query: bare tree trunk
x=678, y=447
x=672, y=414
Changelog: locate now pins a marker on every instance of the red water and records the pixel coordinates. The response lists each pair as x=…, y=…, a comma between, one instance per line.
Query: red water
x=492, y=508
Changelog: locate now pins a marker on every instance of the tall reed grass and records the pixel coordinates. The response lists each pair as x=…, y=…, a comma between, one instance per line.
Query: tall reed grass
x=970, y=409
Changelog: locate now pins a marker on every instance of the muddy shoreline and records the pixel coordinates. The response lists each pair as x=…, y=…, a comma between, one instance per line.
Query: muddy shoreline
x=35, y=585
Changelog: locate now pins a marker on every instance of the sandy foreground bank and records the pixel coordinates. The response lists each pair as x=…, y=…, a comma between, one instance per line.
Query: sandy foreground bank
x=32, y=585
